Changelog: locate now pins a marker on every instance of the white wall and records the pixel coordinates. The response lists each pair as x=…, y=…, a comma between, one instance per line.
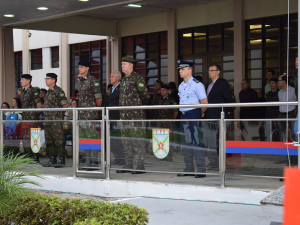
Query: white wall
x=79, y=38
x=41, y=39
x=38, y=76
x=17, y=40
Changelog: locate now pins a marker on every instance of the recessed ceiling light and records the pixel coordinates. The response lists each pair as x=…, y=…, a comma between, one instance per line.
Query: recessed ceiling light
x=134, y=5
x=83, y=0
x=42, y=8
x=9, y=15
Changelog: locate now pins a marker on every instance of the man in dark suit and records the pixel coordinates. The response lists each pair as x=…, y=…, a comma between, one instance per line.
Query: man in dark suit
x=117, y=150
x=217, y=91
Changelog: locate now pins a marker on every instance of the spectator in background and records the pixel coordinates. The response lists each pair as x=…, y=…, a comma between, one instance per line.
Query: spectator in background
x=16, y=104
x=156, y=98
x=105, y=101
x=43, y=93
x=247, y=94
x=19, y=92
x=286, y=94
x=199, y=78
x=270, y=75
x=5, y=105
x=174, y=92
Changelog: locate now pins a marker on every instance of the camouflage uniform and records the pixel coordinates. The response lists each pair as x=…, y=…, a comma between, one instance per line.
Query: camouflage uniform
x=89, y=90
x=156, y=98
x=54, y=133
x=133, y=93
x=166, y=113
x=29, y=99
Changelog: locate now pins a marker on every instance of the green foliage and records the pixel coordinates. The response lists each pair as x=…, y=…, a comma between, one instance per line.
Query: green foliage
x=14, y=172
x=45, y=209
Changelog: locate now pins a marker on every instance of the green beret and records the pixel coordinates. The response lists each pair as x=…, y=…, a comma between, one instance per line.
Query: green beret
x=128, y=59
x=160, y=82
x=36, y=88
x=44, y=90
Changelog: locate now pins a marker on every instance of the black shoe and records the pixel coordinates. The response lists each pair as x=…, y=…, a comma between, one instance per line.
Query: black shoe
x=281, y=179
x=52, y=161
x=184, y=174
x=130, y=167
x=139, y=167
x=36, y=157
x=200, y=176
x=187, y=169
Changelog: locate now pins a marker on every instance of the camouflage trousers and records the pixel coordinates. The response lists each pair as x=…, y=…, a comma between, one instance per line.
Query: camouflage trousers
x=131, y=143
x=90, y=130
x=54, y=133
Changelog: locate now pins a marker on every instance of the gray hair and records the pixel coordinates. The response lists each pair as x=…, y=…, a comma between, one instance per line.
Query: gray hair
x=118, y=73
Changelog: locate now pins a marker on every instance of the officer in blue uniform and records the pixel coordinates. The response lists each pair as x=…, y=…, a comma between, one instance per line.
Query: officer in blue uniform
x=191, y=92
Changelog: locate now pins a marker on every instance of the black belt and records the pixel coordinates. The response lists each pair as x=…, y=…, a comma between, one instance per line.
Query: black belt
x=189, y=112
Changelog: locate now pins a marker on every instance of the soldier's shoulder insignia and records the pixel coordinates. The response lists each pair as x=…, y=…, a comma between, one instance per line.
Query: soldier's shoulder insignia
x=97, y=84
x=141, y=85
x=197, y=81
x=62, y=95
x=36, y=94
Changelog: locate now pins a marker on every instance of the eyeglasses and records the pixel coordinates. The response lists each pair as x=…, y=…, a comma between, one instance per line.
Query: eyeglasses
x=211, y=70
x=48, y=78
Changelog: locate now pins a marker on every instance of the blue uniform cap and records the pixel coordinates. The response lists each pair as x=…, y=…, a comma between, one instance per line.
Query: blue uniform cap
x=183, y=64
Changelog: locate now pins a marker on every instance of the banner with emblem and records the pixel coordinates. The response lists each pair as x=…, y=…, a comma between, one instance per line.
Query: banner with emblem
x=35, y=139
x=160, y=142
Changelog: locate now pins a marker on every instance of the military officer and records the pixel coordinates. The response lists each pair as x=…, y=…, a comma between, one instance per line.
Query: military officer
x=166, y=99
x=191, y=92
x=30, y=98
x=133, y=92
x=89, y=96
x=156, y=98
x=54, y=133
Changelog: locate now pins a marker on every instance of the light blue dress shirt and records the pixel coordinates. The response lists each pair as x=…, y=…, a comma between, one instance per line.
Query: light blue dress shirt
x=191, y=93
x=114, y=87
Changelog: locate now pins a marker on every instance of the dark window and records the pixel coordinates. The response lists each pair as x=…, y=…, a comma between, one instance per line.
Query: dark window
x=55, y=57
x=266, y=48
x=208, y=45
x=36, y=59
x=95, y=53
x=150, y=52
x=18, y=69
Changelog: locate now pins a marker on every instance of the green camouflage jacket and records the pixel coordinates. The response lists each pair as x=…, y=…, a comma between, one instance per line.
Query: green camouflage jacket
x=29, y=99
x=166, y=113
x=272, y=111
x=55, y=98
x=133, y=92
x=89, y=90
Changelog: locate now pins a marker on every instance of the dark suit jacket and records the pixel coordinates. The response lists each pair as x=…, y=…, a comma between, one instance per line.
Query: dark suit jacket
x=114, y=101
x=220, y=93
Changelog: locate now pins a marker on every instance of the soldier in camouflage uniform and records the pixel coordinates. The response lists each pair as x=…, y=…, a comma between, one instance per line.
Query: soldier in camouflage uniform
x=133, y=92
x=54, y=133
x=166, y=99
x=89, y=96
x=30, y=98
x=156, y=98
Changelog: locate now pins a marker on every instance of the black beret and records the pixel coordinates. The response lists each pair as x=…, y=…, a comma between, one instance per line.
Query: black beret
x=165, y=86
x=26, y=76
x=84, y=63
x=160, y=82
x=44, y=90
x=109, y=86
x=53, y=75
x=172, y=85
x=128, y=59
x=274, y=79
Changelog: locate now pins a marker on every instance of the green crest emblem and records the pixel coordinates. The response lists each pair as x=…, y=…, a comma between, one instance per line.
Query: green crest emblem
x=62, y=94
x=36, y=93
x=96, y=84
x=141, y=85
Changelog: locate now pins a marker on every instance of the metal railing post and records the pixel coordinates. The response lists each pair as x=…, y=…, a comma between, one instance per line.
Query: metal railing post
x=107, y=144
x=74, y=141
x=222, y=153
x=103, y=141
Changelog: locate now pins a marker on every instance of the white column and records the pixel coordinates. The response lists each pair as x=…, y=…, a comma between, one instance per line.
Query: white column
x=239, y=48
x=64, y=63
x=108, y=59
x=116, y=48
